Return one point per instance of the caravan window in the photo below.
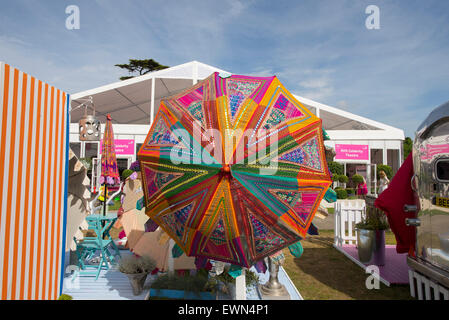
(442, 170)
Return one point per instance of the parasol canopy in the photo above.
(234, 168)
(109, 168)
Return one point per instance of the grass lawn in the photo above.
(323, 273)
(115, 206)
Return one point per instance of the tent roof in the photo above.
(341, 124)
(129, 102)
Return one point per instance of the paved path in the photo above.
(324, 224)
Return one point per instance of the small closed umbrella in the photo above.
(109, 169)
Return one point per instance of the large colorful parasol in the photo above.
(234, 168)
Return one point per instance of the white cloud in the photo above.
(13, 40)
(315, 83)
(237, 7)
(320, 95)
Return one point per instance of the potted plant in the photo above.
(226, 283)
(371, 235)
(175, 286)
(335, 178)
(137, 269)
(343, 179)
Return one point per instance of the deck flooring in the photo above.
(395, 270)
(114, 285)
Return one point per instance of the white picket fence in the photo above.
(346, 214)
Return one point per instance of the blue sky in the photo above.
(319, 49)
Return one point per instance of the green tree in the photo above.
(335, 168)
(408, 145)
(343, 179)
(386, 168)
(140, 67)
(357, 178)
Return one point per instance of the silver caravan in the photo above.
(430, 267)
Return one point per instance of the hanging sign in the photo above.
(122, 146)
(352, 152)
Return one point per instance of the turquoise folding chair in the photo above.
(91, 245)
(103, 244)
(105, 232)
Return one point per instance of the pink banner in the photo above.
(351, 152)
(122, 146)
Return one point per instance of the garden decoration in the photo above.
(109, 169)
(234, 168)
(137, 270)
(89, 125)
(371, 234)
(273, 289)
(90, 128)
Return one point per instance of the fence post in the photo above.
(240, 286)
(336, 224)
(343, 218)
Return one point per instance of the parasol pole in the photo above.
(104, 197)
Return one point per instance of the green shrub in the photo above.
(343, 179)
(335, 177)
(335, 168)
(350, 191)
(126, 173)
(386, 168)
(87, 162)
(193, 283)
(341, 193)
(251, 279)
(357, 179)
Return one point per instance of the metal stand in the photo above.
(273, 289)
